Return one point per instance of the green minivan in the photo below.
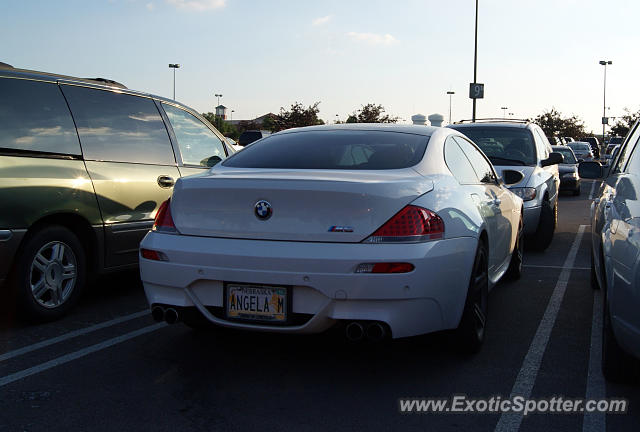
(84, 166)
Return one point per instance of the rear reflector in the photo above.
(163, 221)
(153, 255)
(412, 224)
(385, 268)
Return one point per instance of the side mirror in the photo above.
(590, 170)
(554, 159)
(511, 177)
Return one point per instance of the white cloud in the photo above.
(197, 5)
(373, 38)
(151, 6)
(321, 21)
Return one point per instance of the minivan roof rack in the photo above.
(101, 81)
(108, 82)
(494, 120)
(5, 65)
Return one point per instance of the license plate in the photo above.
(257, 302)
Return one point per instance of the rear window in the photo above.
(579, 146)
(503, 145)
(249, 137)
(337, 149)
(567, 154)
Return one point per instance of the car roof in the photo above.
(7, 71)
(386, 127)
(519, 125)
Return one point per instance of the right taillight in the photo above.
(163, 221)
(412, 224)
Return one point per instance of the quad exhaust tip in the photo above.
(157, 313)
(171, 316)
(373, 331)
(354, 331)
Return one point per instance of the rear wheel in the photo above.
(546, 226)
(49, 274)
(470, 333)
(617, 365)
(515, 266)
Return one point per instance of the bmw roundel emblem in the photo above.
(263, 210)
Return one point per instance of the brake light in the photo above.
(163, 221)
(153, 255)
(412, 224)
(385, 268)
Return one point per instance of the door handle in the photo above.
(165, 181)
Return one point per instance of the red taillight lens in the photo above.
(411, 224)
(385, 268)
(153, 255)
(163, 221)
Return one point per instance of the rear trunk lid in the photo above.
(307, 205)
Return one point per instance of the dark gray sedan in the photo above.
(568, 170)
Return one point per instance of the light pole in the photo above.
(174, 66)
(475, 63)
(232, 111)
(504, 112)
(218, 96)
(450, 93)
(604, 103)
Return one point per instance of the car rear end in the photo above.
(300, 248)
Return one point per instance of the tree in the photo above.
(297, 116)
(554, 125)
(624, 123)
(371, 113)
(225, 128)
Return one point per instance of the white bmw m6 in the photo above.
(385, 230)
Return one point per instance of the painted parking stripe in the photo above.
(510, 421)
(78, 354)
(593, 188)
(70, 335)
(554, 267)
(595, 421)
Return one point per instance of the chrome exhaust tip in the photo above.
(354, 331)
(171, 316)
(376, 332)
(157, 313)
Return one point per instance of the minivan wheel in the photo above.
(470, 333)
(49, 274)
(617, 365)
(546, 226)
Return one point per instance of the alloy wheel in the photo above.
(53, 274)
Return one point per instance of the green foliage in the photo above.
(225, 128)
(371, 113)
(297, 116)
(624, 123)
(554, 125)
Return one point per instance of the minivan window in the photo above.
(503, 145)
(119, 127)
(34, 117)
(333, 149)
(198, 145)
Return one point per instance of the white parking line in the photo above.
(77, 354)
(593, 188)
(70, 335)
(510, 421)
(595, 421)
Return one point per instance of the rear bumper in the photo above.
(569, 184)
(9, 243)
(324, 285)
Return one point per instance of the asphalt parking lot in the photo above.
(108, 366)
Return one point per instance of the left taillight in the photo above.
(163, 221)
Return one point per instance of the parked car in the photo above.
(615, 257)
(85, 164)
(610, 153)
(615, 140)
(522, 146)
(595, 146)
(568, 170)
(582, 150)
(315, 226)
(568, 139)
(247, 137)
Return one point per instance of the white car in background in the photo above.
(387, 230)
(582, 150)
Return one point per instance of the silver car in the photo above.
(615, 256)
(582, 150)
(522, 146)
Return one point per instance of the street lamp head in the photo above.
(605, 62)
(174, 65)
(451, 92)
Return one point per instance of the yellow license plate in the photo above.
(257, 302)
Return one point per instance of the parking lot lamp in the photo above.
(450, 93)
(174, 66)
(604, 102)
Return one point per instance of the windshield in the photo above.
(503, 145)
(567, 155)
(579, 146)
(333, 149)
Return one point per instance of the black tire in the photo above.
(546, 226)
(49, 275)
(515, 266)
(617, 365)
(470, 334)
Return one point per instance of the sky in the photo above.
(405, 55)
